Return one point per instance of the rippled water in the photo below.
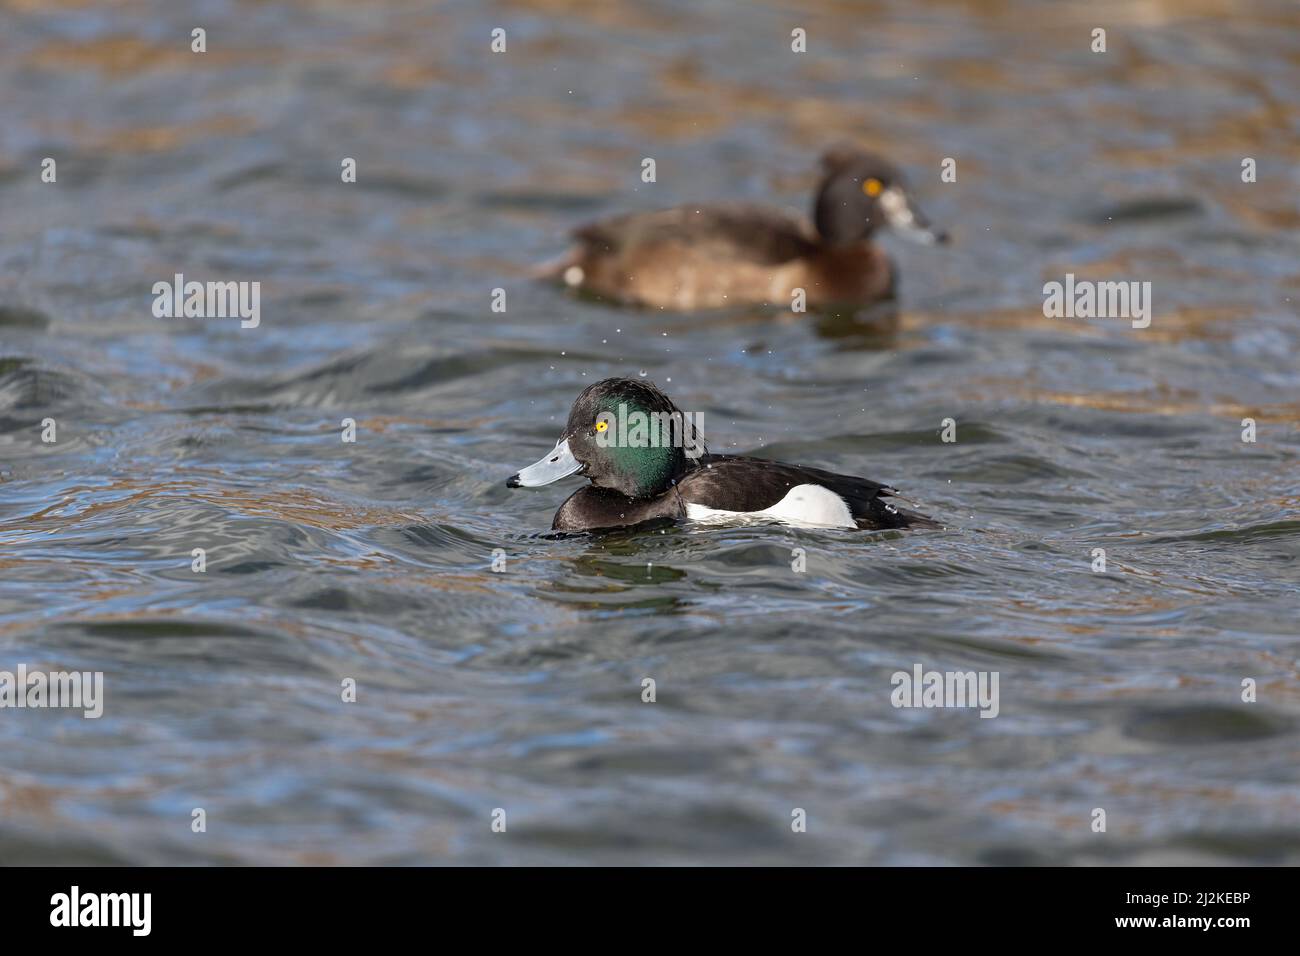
(522, 690)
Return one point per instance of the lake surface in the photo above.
(521, 690)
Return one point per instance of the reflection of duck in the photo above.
(657, 477)
(710, 256)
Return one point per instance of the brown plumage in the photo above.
(734, 254)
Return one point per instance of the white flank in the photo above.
(807, 505)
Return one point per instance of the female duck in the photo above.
(712, 256)
(645, 460)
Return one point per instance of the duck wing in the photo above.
(743, 484)
(724, 231)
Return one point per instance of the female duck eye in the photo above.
(872, 187)
(601, 426)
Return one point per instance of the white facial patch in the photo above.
(896, 208)
(898, 213)
(810, 506)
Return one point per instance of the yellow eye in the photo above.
(872, 187)
(601, 426)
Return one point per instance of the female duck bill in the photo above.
(907, 220)
(560, 463)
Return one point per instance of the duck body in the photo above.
(717, 255)
(660, 469)
(711, 257)
(733, 489)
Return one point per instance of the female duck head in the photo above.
(859, 193)
(622, 434)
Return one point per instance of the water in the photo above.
(522, 690)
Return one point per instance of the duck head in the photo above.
(861, 192)
(623, 434)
